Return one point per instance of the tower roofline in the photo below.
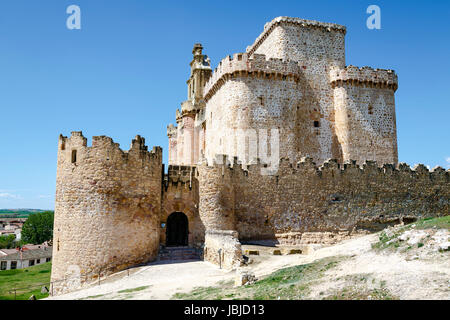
(269, 26)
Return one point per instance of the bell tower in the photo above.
(187, 139)
(200, 73)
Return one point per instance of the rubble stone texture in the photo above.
(291, 86)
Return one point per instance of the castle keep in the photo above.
(282, 143)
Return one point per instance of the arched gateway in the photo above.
(177, 230)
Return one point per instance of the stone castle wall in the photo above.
(222, 248)
(330, 198)
(316, 47)
(216, 198)
(261, 96)
(288, 96)
(365, 113)
(107, 207)
(181, 194)
(293, 79)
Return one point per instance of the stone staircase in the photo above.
(178, 254)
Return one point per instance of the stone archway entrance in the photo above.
(177, 230)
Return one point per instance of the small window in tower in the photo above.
(74, 156)
(370, 110)
(240, 57)
(63, 145)
(261, 100)
(316, 124)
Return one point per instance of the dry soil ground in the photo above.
(376, 266)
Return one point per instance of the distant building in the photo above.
(7, 232)
(11, 226)
(28, 256)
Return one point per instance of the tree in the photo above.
(7, 242)
(38, 228)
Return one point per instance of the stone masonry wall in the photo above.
(216, 198)
(107, 208)
(293, 80)
(365, 113)
(330, 198)
(316, 47)
(180, 194)
(260, 104)
(250, 98)
(222, 248)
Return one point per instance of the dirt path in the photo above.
(161, 281)
(413, 279)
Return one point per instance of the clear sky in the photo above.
(124, 73)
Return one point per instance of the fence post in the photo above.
(99, 271)
(15, 294)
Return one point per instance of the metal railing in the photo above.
(85, 279)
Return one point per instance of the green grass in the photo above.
(354, 293)
(133, 289)
(27, 281)
(440, 223)
(92, 297)
(357, 288)
(287, 284)
(427, 223)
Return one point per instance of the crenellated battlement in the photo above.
(232, 164)
(312, 24)
(305, 197)
(104, 194)
(180, 174)
(241, 64)
(171, 130)
(364, 76)
(76, 149)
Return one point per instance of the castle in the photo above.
(281, 143)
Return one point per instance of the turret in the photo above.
(107, 209)
(190, 137)
(200, 73)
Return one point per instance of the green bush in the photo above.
(8, 242)
(38, 228)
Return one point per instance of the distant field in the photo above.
(27, 281)
(18, 213)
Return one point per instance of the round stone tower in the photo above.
(106, 211)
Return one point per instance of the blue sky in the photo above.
(124, 73)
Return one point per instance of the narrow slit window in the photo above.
(74, 156)
(261, 100)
